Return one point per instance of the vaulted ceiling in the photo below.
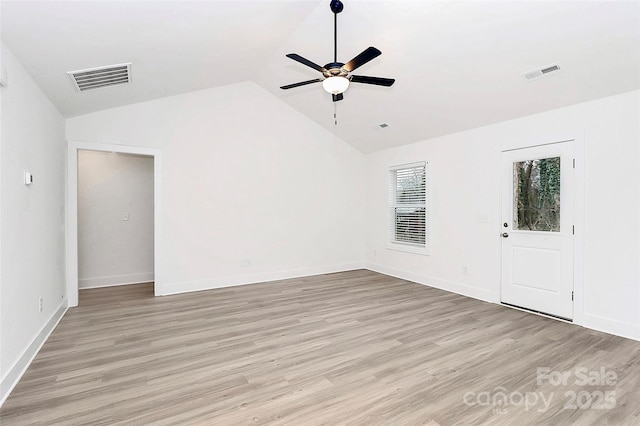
(457, 64)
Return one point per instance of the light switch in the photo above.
(28, 178)
(125, 216)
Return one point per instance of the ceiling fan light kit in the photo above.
(336, 74)
(335, 85)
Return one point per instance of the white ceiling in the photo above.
(457, 64)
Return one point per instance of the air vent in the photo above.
(94, 78)
(383, 125)
(541, 72)
(552, 68)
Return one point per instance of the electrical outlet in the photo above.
(245, 262)
(125, 216)
(40, 304)
(465, 270)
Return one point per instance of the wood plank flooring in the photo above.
(354, 348)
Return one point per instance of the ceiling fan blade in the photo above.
(306, 62)
(302, 83)
(378, 81)
(337, 97)
(368, 54)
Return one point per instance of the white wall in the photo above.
(465, 185)
(111, 250)
(251, 189)
(32, 220)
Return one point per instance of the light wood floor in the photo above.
(355, 348)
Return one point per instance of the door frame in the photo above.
(578, 211)
(72, 209)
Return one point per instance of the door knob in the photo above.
(505, 235)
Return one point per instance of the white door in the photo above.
(537, 231)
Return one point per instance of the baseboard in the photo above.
(232, 281)
(115, 280)
(593, 322)
(606, 325)
(11, 379)
(451, 286)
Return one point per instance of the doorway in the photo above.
(73, 151)
(115, 219)
(538, 229)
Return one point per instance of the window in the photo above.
(536, 185)
(408, 207)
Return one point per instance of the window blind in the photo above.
(407, 204)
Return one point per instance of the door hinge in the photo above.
(571, 295)
(573, 229)
(574, 163)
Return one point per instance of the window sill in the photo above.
(408, 249)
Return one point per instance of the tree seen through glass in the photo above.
(536, 186)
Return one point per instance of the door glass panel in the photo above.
(536, 187)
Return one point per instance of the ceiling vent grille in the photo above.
(541, 72)
(94, 78)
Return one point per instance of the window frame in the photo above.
(393, 244)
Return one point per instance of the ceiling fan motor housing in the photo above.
(334, 69)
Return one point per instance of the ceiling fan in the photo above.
(336, 75)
